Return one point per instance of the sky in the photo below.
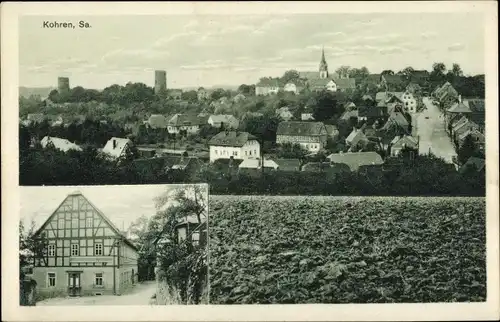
(121, 204)
(210, 50)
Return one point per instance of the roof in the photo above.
(355, 136)
(231, 138)
(223, 118)
(266, 82)
(478, 163)
(60, 144)
(381, 96)
(367, 97)
(474, 133)
(295, 128)
(356, 159)
(393, 79)
(369, 111)
(459, 122)
(316, 83)
(104, 217)
(476, 105)
(255, 164)
(463, 127)
(349, 105)
(348, 114)
(459, 107)
(332, 130)
(392, 96)
(399, 118)
(184, 120)
(315, 166)
(157, 121)
(345, 83)
(177, 162)
(117, 149)
(288, 164)
(373, 79)
(405, 140)
(420, 74)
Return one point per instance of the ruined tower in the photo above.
(63, 84)
(160, 81)
(323, 66)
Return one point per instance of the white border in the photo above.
(351, 312)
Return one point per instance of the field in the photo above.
(269, 249)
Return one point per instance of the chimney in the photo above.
(114, 143)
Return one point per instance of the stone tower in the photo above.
(160, 81)
(323, 66)
(63, 84)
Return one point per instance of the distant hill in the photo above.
(28, 91)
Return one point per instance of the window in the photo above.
(215, 152)
(75, 249)
(51, 279)
(235, 153)
(60, 225)
(52, 250)
(90, 222)
(98, 249)
(246, 153)
(250, 153)
(255, 152)
(98, 279)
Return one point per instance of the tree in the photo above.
(387, 72)
(191, 96)
(217, 94)
(456, 70)
(438, 69)
(407, 72)
(325, 106)
(359, 73)
(343, 71)
(290, 76)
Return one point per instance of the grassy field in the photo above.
(271, 249)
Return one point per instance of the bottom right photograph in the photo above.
(307, 249)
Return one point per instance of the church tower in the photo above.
(323, 66)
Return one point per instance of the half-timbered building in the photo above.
(83, 252)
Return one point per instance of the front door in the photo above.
(74, 288)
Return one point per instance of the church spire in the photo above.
(323, 66)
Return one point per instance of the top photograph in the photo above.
(299, 104)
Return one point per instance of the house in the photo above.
(409, 102)
(284, 113)
(382, 96)
(447, 96)
(226, 121)
(203, 94)
(312, 136)
(56, 120)
(477, 137)
(307, 115)
(257, 164)
(238, 98)
(234, 145)
(477, 109)
(397, 120)
(355, 137)
(392, 82)
(394, 97)
(188, 123)
(180, 164)
(117, 148)
(369, 113)
(85, 253)
(367, 98)
(332, 131)
(473, 163)
(59, 144)
(457, 110)
(356, 160)
(175, 94)
(331, 85)
(462, 127)
(349, 106)
(157, 121)
(401, 142)
(267, 86)
(288, 164)
(291, 87)
(347, 115)
(316, 166)
(421, 77)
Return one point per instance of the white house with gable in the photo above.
(117, 147)
(235, 144)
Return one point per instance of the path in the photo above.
(140, 295)
(431, 129)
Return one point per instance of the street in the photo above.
(140, 295)
(429, 125)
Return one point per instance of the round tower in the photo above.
(63, 84)
(323, 66)
(160, 81)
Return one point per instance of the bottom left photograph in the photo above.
(113, 245)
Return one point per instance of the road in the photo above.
(429, 125)
(140, 295)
